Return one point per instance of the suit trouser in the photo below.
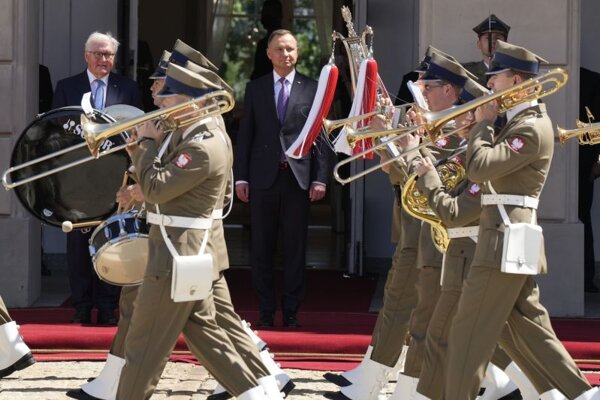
(155, 327)
(490, 299)
(399, 299)
(226, 318)
(87, 289)
(285, 204)
(433, 372)
(428, 293)
(4, 317)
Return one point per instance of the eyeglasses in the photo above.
(428, 87)
(99, 55)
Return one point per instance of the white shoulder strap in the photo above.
(502, 210)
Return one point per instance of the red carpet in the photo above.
(336, 328)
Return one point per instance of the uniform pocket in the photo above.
(488, 252)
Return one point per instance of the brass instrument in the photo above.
(416, 204)
(529, 90)
(330, 125)
(586, 133)
(211, 104)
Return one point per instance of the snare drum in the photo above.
(119, 249)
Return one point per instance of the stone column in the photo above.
(549, 28)
(20, 248)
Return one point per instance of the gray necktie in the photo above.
(99, 95)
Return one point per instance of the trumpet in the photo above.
(529, 90)
(585, 133)
(211, 104)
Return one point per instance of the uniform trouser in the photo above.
(399, 299)
(226, 318)
(153, 332)
(490, 299)
(4, 317)
(428, 293)
(433, 372)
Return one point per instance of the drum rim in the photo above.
(100, 275)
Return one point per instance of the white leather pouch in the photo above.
(192, 277)
(521, 250)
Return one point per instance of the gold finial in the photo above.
(347, 16)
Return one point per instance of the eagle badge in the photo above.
(183, 160)
(516, 144)
(474, 189)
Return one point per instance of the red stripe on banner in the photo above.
(370, 90)
(315, 129)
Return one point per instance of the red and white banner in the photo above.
(318, 111)
(363, 102)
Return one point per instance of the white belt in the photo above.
(467, 231)
(510, 200)
(183, 222)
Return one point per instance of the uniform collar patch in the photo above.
(516, 143)
(474, 189)
(183, 160)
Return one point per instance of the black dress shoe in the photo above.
(82, 315)
(290, 321)
(26, 361)
(219, 396)
(337, 379)
(335, 396)
(106, 317)
(80, 395)
(265, 322)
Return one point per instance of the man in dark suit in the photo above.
(278, 188)
(107, 88)
(589, 170)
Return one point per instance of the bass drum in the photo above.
(83, 193)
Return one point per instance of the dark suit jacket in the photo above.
(120, 90)
(261, 135)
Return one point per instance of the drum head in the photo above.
(83, 193)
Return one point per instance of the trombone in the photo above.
(529, 90)
(171, 118)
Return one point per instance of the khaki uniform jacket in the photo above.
(397, 178)
(190, 181)
(428, 255)
(458, 207)
(515, 162)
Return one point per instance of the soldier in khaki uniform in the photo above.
(188, 183)
(515, 164)
(458, 209)
(489, 31)
(14, 353)
(442, 84)
(400, 295)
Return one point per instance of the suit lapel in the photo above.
(112, 91)
(295, 93)
(269, 88)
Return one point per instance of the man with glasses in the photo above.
(107, 88)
